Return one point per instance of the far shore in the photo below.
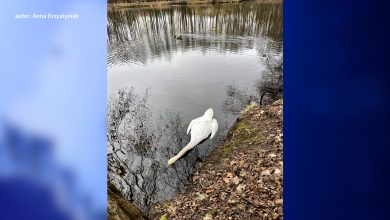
(181, 2)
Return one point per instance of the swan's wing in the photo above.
(189, 126)
(214, 128)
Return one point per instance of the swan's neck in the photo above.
(181, 153)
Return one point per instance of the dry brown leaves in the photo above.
(245, 184)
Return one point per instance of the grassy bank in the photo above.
(132, 4)
(242, 178)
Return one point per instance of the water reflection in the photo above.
(269, 88)
(139, 150)
(139, 35)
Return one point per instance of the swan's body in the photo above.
(200, 129)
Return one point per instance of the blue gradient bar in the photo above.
(53, 110)
(337, 110)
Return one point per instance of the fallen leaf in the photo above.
(279, 201)
(272, 155)
(241, 187)
(236, 180)
(201, 196)
(265, 173)
(243, 173)
(208, 217)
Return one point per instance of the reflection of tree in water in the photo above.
(136, 34)
(269, 88)
(139, 148)
(236, 99)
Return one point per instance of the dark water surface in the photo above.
(218, 45)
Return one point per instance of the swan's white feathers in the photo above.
(214, 128)
(189, 126)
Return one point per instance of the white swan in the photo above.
(200, 129)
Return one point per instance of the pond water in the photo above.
(187, 56)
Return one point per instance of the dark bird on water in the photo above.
(178, 37)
